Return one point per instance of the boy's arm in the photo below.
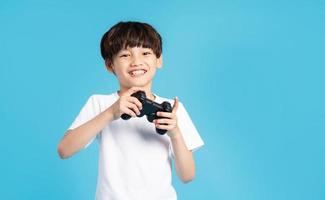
(184, 161)
(77, 138)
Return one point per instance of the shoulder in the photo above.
(103, 97)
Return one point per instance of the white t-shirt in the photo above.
(134, 160)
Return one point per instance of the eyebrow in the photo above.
(123, 51)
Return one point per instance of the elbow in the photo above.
(187, 174)
(62, 152)
(62, 148)
(188, 178)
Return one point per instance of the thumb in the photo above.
(175, 106)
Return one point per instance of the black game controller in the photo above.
(150, 108)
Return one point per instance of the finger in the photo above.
(175, 106)
(136, 101)
(133, 107)
(165, 127)
(165, 114)
(165, 121)
(129, 112)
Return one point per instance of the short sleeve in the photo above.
(90, 110)
(189, 132)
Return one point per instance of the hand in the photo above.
(169, 121)
(127, 104)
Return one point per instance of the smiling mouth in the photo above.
(136, 73)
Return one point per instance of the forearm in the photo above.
(184, 161)
(76, 139)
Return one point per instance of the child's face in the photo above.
(135, 66)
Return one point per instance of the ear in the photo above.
(109, 66)
(160, 61)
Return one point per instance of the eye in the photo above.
(147, 53)
(124, 55)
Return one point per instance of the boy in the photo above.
(134, 161)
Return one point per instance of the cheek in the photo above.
(152, 70)
(120, 67)
(153, 63)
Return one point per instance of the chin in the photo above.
(140, 83)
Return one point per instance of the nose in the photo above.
(136, 60)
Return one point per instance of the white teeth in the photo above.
(137, 72)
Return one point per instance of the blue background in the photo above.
(250, 73)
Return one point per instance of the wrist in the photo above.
(174, 134)
(109, 114)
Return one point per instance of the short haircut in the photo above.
(129, 34)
